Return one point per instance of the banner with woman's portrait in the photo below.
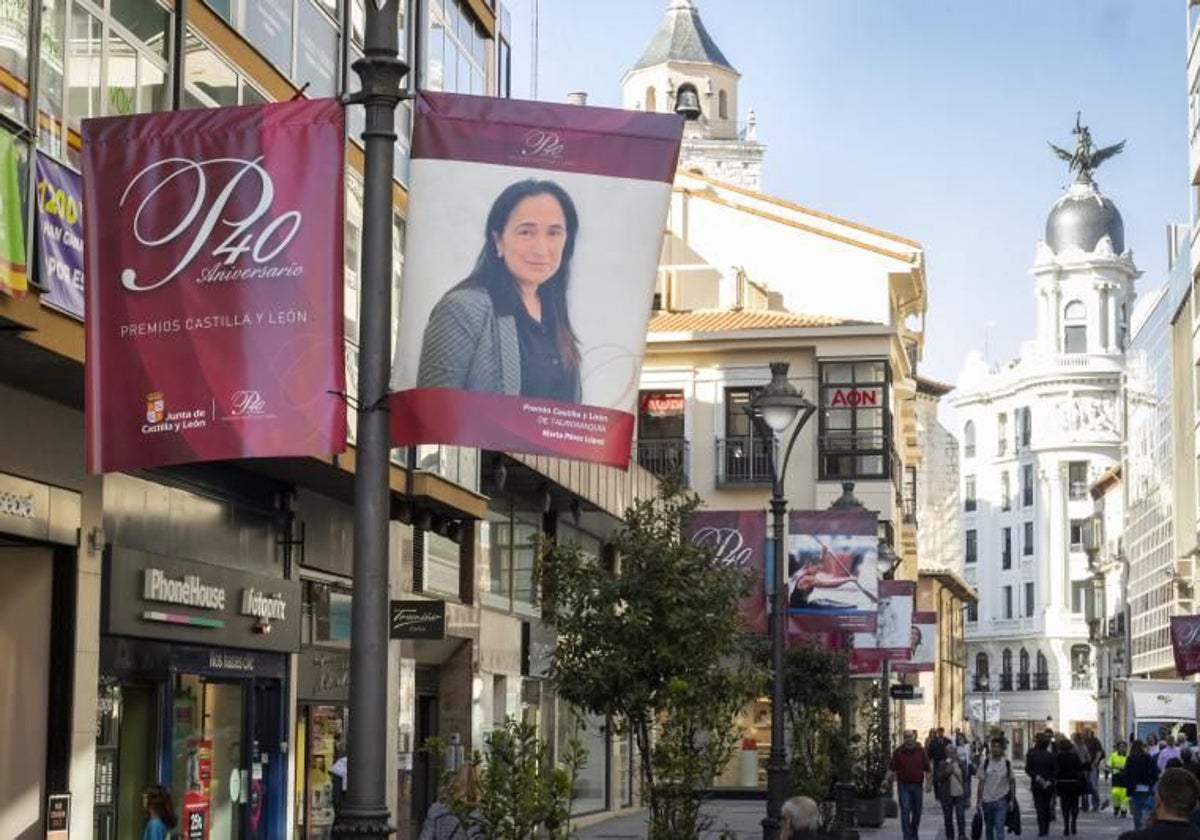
(532, 246)
(924, 645)
(892, 637)
(832, 578)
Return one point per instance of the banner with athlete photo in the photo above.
(832, 579)
(214, 266)
(533, 238)
(892, 638)
(924, 645)
(739, 537)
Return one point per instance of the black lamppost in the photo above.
(779, 404)
(365, 813)
(845, 787)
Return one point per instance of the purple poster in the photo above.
(739, 538)
(60, 236)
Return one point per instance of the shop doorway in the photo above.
(426, 766)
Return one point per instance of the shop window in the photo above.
(855, 433)
(14, 58)
(146, 20)
(327, 614)
(591, 787)
(52, 129)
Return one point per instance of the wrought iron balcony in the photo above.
(1081, 679)
(1006, 682)
(1024, 682)
(1041, 681)
(744, 461)
(665, 457)
(980, 682)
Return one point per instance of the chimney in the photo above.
(579, 97)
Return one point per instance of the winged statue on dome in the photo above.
(1085, 160)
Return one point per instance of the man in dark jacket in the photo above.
(1042, 769)
(1176, 797)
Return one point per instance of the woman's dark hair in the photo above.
(158, 804)
(1138, 747)
(490, 272)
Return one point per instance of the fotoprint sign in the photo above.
(738, 537)
(214, 296)
(892, 638)
(924, 644)
(1185, 644)
(832, 578)
(534, 232)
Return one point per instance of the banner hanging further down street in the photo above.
(533, 239)
(1185, 644)
(214, 266)
(924, 644)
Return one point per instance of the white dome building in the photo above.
(1034, 435)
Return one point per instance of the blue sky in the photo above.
(928, 118)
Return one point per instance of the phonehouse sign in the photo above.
(214, 267)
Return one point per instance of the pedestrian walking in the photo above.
(997, 789)
(1095, 752)
(1141, 773)
(1071, 782)
(1042, 769)
(949, 786)
(1116, 763)
(908, 768)
(160, 813)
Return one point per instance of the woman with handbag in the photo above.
(950, 789)
(1140, 773)
(1071, 783)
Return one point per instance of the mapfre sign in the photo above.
(854, 397)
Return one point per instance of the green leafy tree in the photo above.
(657, 648)
(815, 699)
(519, 794)
(870, 757)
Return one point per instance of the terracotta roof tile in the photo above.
(727, 320)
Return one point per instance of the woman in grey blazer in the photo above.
(505, 328)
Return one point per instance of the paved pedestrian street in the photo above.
(743, 819)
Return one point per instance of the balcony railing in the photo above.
(910, 510)
(1024, 682)
(665, 457)
(980, 683)
(744, 460)
(1081, 679)
(1079, 490)
(1041, 680)
(1006, 682)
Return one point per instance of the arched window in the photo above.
(1041, 677)
(981, 671)
(722, 105)
(651, 99)
(1006, 674)
(1023, 674)
(1075, 327)
(969, 439)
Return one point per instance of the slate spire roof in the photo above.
(682, 37)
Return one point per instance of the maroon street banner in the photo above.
(892, 638)
(214, 264)
(533, 238)
(739, 538)
(924, 644)
(1185, 643)
(832, 579)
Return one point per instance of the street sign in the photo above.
(903, 691)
